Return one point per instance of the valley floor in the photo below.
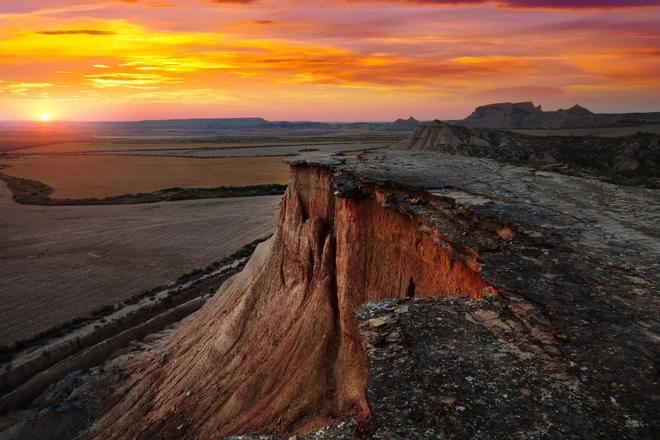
(63, 262)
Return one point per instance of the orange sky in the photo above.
(323, 60)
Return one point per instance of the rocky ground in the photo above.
(629, 160)
(454, 369)
(422, 295)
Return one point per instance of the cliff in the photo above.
(525, 115)
(277, 349)
(409, 295)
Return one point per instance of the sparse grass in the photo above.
(33, 192)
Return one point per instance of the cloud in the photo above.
(355, 55)
(618, 26)
(531, 4)
(176, 64)
(23, 88)
(76, 32)
(130, 80)
(578, 4)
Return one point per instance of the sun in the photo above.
(44, 117)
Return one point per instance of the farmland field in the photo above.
(102, 176)
(210, 149)
(59, 263)
(257, 150)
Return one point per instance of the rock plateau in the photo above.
(633, 160)
(407, 295)
(525, 115)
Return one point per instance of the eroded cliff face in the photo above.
(277, 349)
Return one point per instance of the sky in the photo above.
(335, 60)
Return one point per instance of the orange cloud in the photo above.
(76, 32)
(115, 58)
(24, 88)
(130, 80)
(543, 4)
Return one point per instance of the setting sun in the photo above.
(44, 117)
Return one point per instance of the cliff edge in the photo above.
(411, 295)
(631, 160)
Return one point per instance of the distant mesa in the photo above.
(255, 123)
(404, 124)
(526, 115)
(201, 123)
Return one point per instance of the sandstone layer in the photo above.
(277, 349)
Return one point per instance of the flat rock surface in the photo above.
(577, 277)
(455, 368)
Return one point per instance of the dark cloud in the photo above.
(578, 4)
(618, 26)
(531, 4)
(76, 32)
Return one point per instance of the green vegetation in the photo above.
(33, 192)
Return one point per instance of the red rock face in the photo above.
(277, 350)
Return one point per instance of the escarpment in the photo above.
(420, 294)
(277, 349)
(518, 115)
(631, 160)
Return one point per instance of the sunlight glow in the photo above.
(44, 117)
(350, 60)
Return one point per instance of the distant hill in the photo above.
(15, 135)
(203, 125)
(253, 124)
(525, 115)
(631, 160)
(404, 124)
(189, 123)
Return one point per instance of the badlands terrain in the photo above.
(632, 159)
(62, 265)
(466, 282)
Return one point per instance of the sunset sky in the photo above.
(323, 60)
